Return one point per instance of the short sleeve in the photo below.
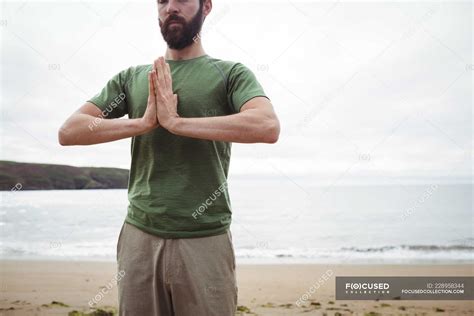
(242, 86)
(112, 99)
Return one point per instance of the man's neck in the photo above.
(192, 51)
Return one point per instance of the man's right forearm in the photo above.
(83, 129)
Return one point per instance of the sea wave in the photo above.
(105, 250)
(424, 248)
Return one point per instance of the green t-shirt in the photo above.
(178, 185)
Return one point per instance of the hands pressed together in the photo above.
(162, 105)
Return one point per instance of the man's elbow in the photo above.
(64, 138)
(272, 132)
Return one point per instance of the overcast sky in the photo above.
(377, 89)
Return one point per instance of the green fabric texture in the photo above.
(178, 185)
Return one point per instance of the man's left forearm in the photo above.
(244, 127)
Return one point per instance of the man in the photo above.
(175, 249)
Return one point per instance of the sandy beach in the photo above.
(58, 288)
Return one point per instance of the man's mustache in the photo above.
(174, 18)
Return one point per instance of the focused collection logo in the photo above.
(367, 287)
(404, 288)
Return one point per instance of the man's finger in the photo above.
(167, 73)
(151, 88)
(155, 77)
(156, 86)
(159, 69)
(155, 65)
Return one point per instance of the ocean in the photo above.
(274, 221)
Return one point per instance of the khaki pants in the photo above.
(175, 277)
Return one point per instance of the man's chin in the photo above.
(175, 38)
(174, 33)
(176, 45)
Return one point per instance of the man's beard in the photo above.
(179, 37)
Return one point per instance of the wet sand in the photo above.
(59, 287)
